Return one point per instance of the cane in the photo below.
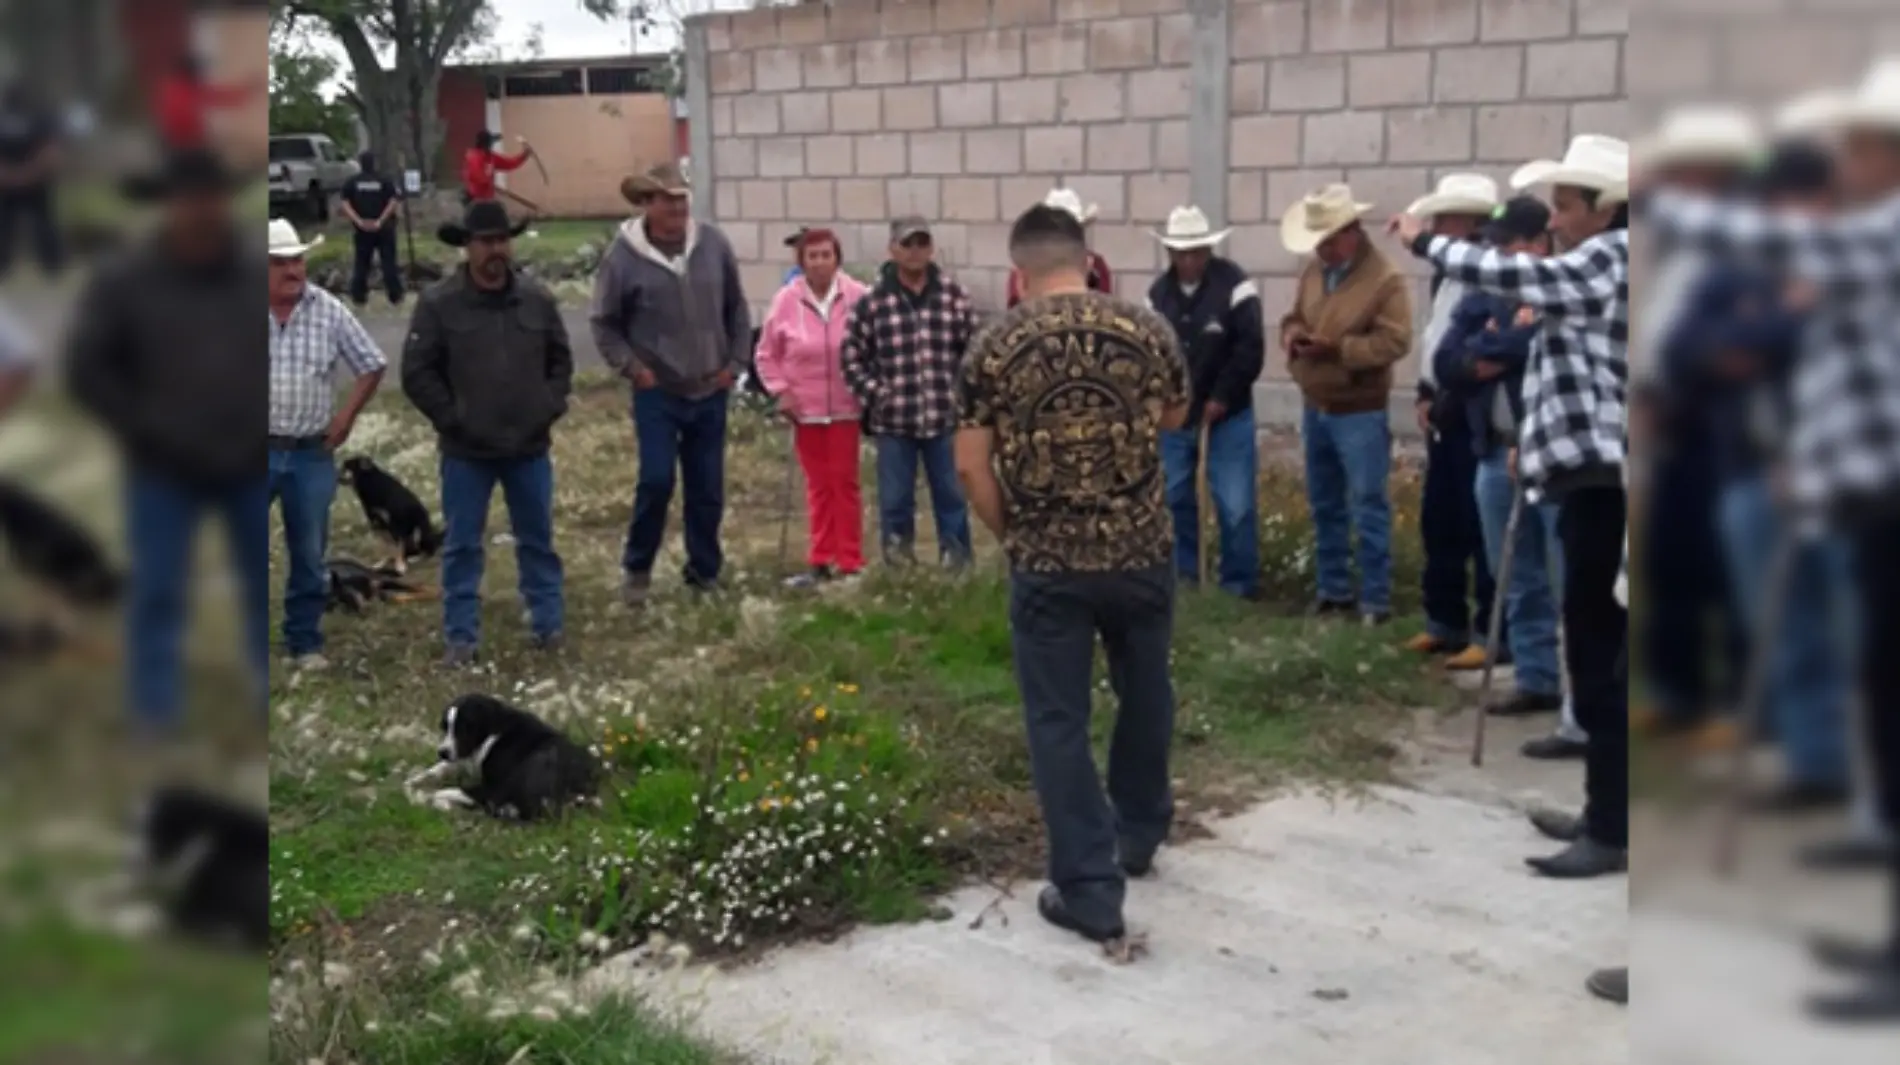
(785, 501)
(1201, 502)
(1755, 695)
(1494, 632)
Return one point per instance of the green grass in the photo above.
(554, 240)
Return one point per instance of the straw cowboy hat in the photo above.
(284, 242)
(1458, 194)
(1319, 215)
(1188, 228)
(1071, 201)
(1873, 104)
(1726, 136)
(665, 179)
(1592, 161)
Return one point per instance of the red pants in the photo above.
(835, 506)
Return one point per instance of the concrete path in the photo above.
(1402, 929)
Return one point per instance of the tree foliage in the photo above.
(299, 75)
(396, 50)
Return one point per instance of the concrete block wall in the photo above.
(967, 111)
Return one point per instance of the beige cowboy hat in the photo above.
(1810, 114)
(286, 244)
(665, 179)
(1592, 161)
(1071, 201)
(1458, 194)
(1189, 228)
(1726, 136)
(1873, 104)
(1319, 215)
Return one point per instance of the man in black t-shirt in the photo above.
(370, 202)
(29, 153)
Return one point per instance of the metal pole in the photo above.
(408, 221)
(1507, 557)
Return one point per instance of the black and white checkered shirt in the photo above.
(1844, 448)
(304, 352)
(1576, 398)
(903, 352)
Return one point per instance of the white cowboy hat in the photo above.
(1458, 194)
(1873, 104)
(1707, 134)
(1069, 200)
(1188, 227)
(1811, 114)
(1319, 215)
(284, 242)
(1592, 161)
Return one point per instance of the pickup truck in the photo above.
(306, 169)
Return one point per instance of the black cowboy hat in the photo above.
(182, 172)
(482, 218)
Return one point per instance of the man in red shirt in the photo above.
(1099, 278)
(481, 163)
(185, 100)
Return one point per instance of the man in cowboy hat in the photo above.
(163, 351)
(487, 361)
(1690, 601)
(1099, 278)
(1457, 581)
(670, 315)
(1351, 322)
(1573, 446)
(311, 334)
(1215, 311)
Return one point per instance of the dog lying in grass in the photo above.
(397, 514)
(524, 768)
(65, 564)
(354, 586)
(206, 860)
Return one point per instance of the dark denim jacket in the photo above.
(1467, 342)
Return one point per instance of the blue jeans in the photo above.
(1811, 673)
(1348, 459)
(680, 440)
(897, 460)
(162, 519)
(1530, 603)
(303, 484)
(527, 488)
(1688, 600)
(1233, 474)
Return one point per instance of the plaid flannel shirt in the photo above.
(1845, 442)
(1576, 395)
(902, 355)
(304, 351)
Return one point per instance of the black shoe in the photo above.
(1610, 985)
(1054, 910)
(1332, 607)
(550, 643)
(1524, 704)
(1138, 864)
(1854, 957)
(1797, 798)
(1554, 748)
(1585, 859)
(1875, 1002)
(1557, 825)
(1850, 855)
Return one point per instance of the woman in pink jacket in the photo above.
(798, 363)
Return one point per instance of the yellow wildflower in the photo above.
(811, 745)
(818, 714)
(848, 689)
(804, 693)
(744, 776)
(767, 803)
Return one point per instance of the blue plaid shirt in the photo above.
(304, 352)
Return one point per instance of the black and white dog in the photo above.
(527, 769)
(206, 859)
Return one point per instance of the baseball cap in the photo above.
(910, 225)
(1519, 218)
(1795, 169)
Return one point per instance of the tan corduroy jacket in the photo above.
(1369, 317)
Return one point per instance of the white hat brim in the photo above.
(1552, 172)
(1189, 243)
(293, 251)
(1301, 240)
(1439, 204)
(1657, 152)
(1850, 113)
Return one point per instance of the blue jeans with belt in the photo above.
(303, 485)
(1233, 474)
(162, 520)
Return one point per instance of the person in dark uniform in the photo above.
(370, 202)
(29, 156)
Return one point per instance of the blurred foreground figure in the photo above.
(185, 100)
(30, 138)
(1844, 454)
(18, 360)
(165, 353)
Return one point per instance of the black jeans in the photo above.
(1054, 622)
(1688, 606)
(1878, 562)
(369, 247)
(31, 209)
(1458, 583)
(1591, 524)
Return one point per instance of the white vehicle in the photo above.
(306, 169)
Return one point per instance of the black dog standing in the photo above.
(393, 511)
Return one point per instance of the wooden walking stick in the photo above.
(1507, 557)
(1202, 502)
(1754, 706)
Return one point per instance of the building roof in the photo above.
(531, 66)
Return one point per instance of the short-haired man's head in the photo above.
(1048, 241)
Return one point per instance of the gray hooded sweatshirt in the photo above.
(683, 319)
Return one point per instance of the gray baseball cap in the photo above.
(909, 226)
